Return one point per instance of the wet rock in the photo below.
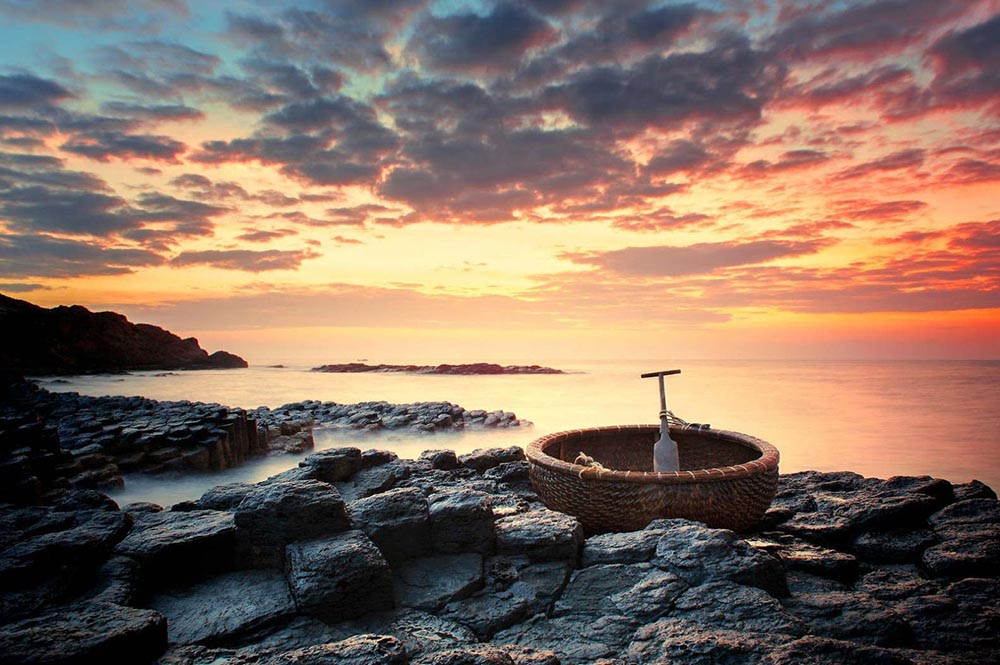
(973, 490)
(116, 582)
(445, 460)
(799, 555)
(824, 651)
(896, 583)
(834, 611)
(333, 465)
(224, 497)
(965, 550)
(936, 488)
(786, 505)
(373, 480)
(432, 582)
(461, 521)
(397, 521)
(224, 607)
(174, 547)
(543, 535)
(89, 632)
(896, 546)
(966, 615)
(373, 457)
(969, 511)
(821, 528)
(876, 511)
(419, 632)
(508, 472)
(356, 650)
(142, 507)
(593, 638)
(515, 588)
(274, 514)
(674, 640)
(480, 654)
(483, 459)
(639, 591)
(699, 554)
(340, 577)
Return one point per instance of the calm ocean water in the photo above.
(939, 418)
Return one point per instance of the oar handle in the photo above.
(667, 372)
(663, 393)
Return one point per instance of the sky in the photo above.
(412, 179)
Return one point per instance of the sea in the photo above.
(879, 419)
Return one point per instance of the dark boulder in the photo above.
(178, 547)
(488, 458)
(542, 535)
(224, 607)
(340, 577)
(895, 546)
(430, 583)
(89, 632)
(333, 465)
(461, 521)
(397, 521)
(275, 514)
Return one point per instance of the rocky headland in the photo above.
(466, 369)
(74, 340)
(363, 558)
(51, 441)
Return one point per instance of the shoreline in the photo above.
(448, 558)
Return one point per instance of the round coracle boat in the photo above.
(727, 479)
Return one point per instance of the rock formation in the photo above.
(361, 557)
(74, 340)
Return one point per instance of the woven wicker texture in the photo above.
(726, 480)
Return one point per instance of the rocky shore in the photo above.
(362, 558)
(74, 340)
(467, 369)
(53, 441)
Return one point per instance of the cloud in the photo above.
(104, 146)
(877, 211)
(22, 287)
(902, 159)
(27, 91)
(860, 30)
(130, 15)
(729, 82)
(791, 160)
(39, 255)
(471, 42)
(262, 235)
(701, 258)
(246, 260)
(155, 113)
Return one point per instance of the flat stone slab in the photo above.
(462, 521)
(543, 535)
(398, 521)
(225, 606)
(340, 577)
(430, 583)
(178, 546)
(85, 633)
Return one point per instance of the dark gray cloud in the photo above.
(729, 82)
(21, 287)
(702, 258)
(155, 113)
(246, 260)
(470, 42)
(27, 91)
(105, 146)
(130, 15)
(860, 29)
(788, 161)
(39, 255)
(902, 159)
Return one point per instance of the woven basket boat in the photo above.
(727, 479)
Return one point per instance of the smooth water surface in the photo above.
(939, 418)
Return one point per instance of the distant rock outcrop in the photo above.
(470, 368)
(74, 340)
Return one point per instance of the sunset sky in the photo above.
(404, 179)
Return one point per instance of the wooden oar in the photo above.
(665, 450)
